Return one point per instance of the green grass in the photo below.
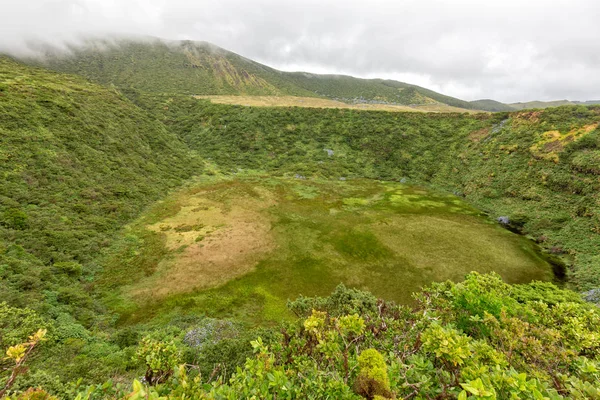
(384, 237)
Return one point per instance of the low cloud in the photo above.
(508, 51)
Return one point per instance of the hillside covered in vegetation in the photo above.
(96, 183)
(78, 161)
(144, 64)
(200, 68)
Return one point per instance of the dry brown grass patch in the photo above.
(315, 102)
(211, 243)
(476, 136)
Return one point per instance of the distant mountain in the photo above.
(153, 65)
(540, 104)
(491, 105)
(200, 68)
(555, 103)
(588, 102)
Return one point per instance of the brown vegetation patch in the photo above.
(476, 136)
(533, 116)
(552, 146)
(553, 142)
(210, 243)
(315, 102)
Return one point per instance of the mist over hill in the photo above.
(200, 68)
(155, 65)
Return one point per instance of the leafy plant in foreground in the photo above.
(19, 354)
(522, 350)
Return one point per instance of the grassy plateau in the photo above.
(315, 102)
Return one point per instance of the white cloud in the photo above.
(510, 50)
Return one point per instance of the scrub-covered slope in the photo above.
(77, 162)
(76, 157)
(200, 68)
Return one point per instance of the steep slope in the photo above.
(200, 68)
(152, 65)
(79, 150)
(430, 94)
(77, 162)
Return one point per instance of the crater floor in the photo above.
(243, 246)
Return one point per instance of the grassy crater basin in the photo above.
(242, 246)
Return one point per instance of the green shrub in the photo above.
(13, 218)
(69, 268)
(372, 379)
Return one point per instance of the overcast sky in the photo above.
(508, 50)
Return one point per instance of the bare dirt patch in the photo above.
(478, 135)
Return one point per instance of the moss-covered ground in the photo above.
(242, 246)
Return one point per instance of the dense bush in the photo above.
(77, 162)
(480, 339)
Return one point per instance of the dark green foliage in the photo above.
(342, 301)
(14, 218)
(544, 291)
(69, 268)
(126, 337)
(77, 162)
(219, 347)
